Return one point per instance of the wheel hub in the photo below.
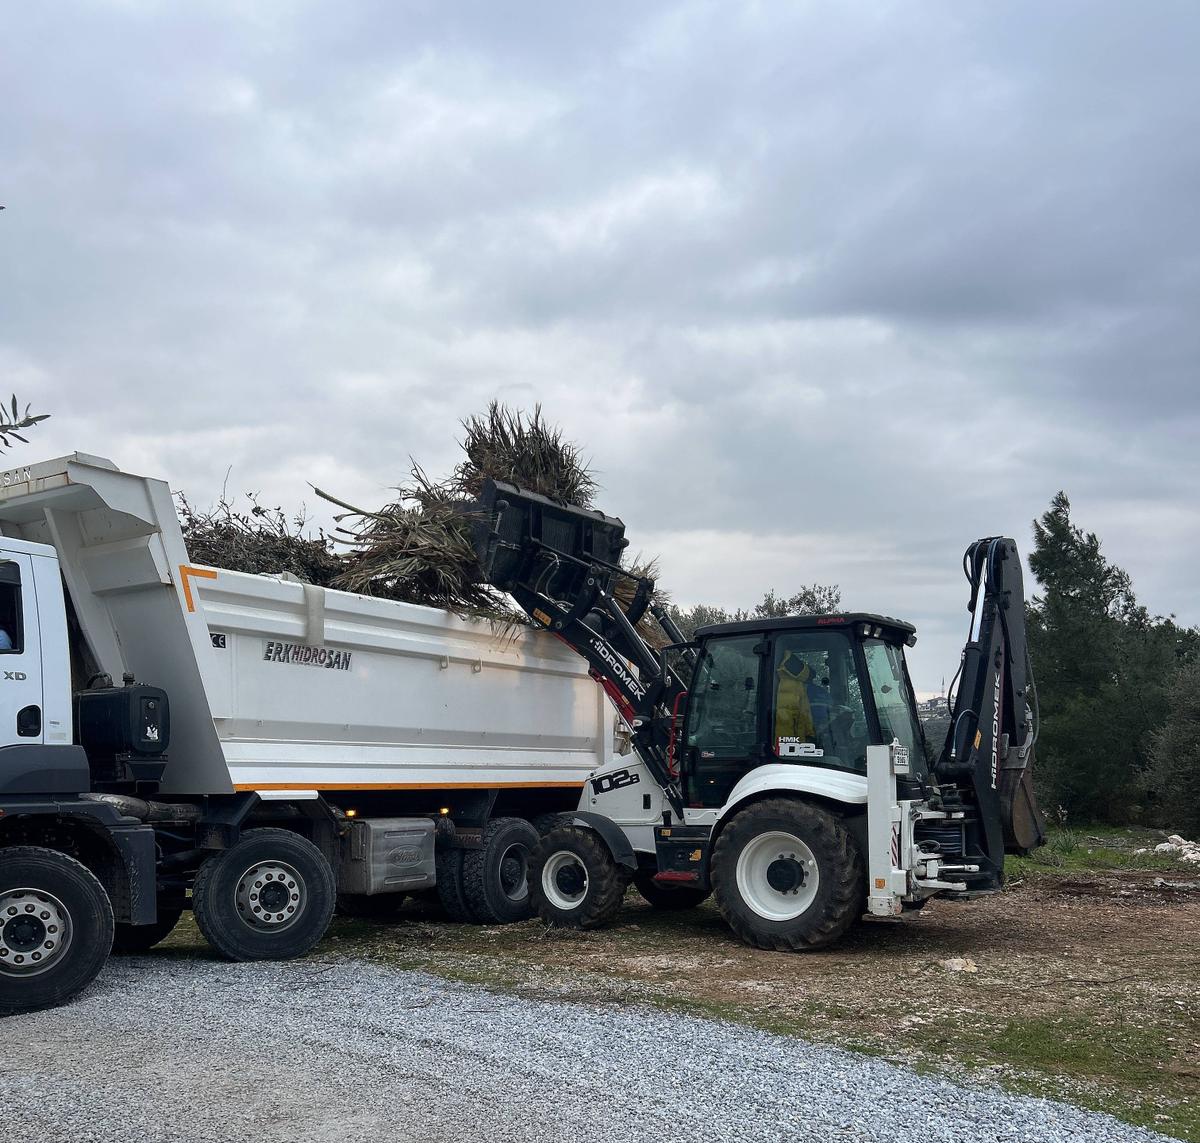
(514, 873)
(570, 880)
(785, 874)
(34, 931)
(270, 895)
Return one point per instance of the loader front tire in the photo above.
(574, 879)
(788, 875)
(496, 877)
(56, 927)
(269, 897)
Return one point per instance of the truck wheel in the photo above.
(56, 927)
(787, 875)
(269, 897)
(496, 877)
(450, 888)
(670, 898)
(142, 938)
(373, 906)
(574, 880)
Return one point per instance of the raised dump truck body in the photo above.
(248, 745)
(279, 685)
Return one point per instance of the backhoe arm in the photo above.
(990, 744)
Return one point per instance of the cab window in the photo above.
(723, 717)
(889, 685)
(817, 708)
(11, 628)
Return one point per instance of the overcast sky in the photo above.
(826, 291)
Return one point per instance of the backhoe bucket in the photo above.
(524, 540)
(1024, 825)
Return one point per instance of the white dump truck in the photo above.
(249, 746)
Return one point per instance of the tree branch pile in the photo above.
(418, 548)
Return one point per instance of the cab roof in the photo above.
(895, 630)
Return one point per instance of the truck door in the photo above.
(20, 654)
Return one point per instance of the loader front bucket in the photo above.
(524, 540)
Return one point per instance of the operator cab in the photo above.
(811, 691)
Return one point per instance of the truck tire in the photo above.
(56, 927)
(788, 875)
(450, 888)
(670, 898)
(373, 906)
(269, 897)
(132, 939)
(574, 880)
(496, 877)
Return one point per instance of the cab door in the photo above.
(21, 715)
(724, 732)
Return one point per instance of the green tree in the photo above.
(1102, 663)
(1174, 778)
(813, 599)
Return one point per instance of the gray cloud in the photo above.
(826, 291)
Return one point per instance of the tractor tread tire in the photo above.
(544, 823)
(215, 909)
(840, 898)
(91, 917)
(481, 873)
(607, 880)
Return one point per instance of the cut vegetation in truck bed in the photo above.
(1079, 983)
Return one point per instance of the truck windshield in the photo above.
(889, 685)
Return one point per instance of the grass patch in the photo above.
(1079, 850)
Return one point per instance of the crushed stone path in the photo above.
(162, 1050)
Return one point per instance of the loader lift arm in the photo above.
(561, 564)
(989, 747)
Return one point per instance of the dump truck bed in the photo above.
(279, 685)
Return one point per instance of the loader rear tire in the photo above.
(53, 909)
(496, 877)
(667, 897)
(133, 939)
(575, 881)
(788, 875)
(269, 897)
(450, 889)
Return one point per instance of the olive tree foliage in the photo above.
(1103, 667)
(813, 599)
(13, 422)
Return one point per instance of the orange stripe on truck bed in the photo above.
(408, 785)
(185, 574)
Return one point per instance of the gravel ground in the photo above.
(199, 1051)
